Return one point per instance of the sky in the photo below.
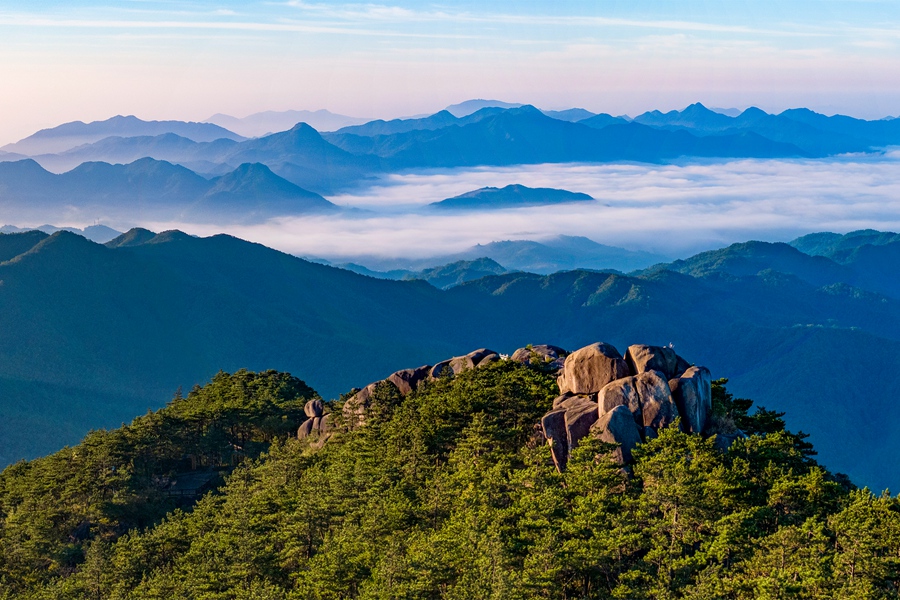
(87, 60)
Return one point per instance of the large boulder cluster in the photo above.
(624, 400)
(620, 400)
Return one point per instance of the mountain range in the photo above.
(558, 253)
(96, 233)
(96, 334)
(440, 276)
(152, 189)
(270, 121)
(491, 133)
(69, 135)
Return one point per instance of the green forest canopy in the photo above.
(449, 492)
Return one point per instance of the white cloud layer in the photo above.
(670, 209)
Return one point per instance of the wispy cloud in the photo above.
(290, 26)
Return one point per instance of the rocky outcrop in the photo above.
(408, 380)
(315, 426)
(314, 408)
(477, 358)
(587, 370)
(441, 369)
(458, 364)
(355, 408)
(693, 396)
(646, 395)
(544, 356)
(625, 401)
(318, 427)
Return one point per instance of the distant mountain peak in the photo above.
(133, 237)
(468, 107)
(510, 196)
(76, 133)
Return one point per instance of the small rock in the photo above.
(490, 358)
(479, 356)
(458, 364)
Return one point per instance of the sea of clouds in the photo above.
(673, 209)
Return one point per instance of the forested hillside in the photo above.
(97, 334)
(444, 493)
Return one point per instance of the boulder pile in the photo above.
(318, 424)
(624, 400)
(408, 380)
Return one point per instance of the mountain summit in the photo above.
(510, 196)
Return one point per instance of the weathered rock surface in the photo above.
(314, 408)
(315, 426)
(479, 357)
(681, 367)
(693, 396)
(658, 408)
(646, 395)
(618, 427)
(554, 426)
(579, 417)
(621, 392)
(408, 380)
(355, 408)
(441, 369)
(490, 358)
(546, 356)
(642, 358)
(305, 429)
(588, 369)
(568, 399)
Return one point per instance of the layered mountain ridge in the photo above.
(492, 135)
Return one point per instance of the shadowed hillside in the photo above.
(97, 334)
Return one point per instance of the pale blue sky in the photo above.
(86, 60)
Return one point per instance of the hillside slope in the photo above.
(447, 491)
(94, 335)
